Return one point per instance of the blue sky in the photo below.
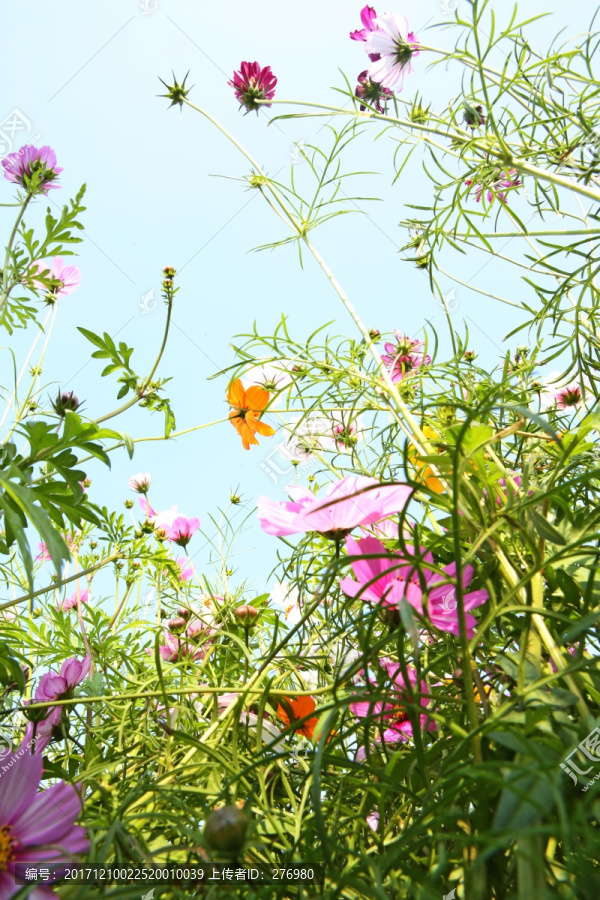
(86, 80)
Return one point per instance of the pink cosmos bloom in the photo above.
(568, 396)
(43, 554)
(36, 826)
(392, 714)
(177, 646)
(62, 279)
(387, 578)
(508, 181)
(70, 602)
(372, 93)
(404, 357)
(29, 161)
(353, 501)
(367, 17)
(55, 686)
(185, 571)
(253, 83)
(140, 483)
(395, 45)
(181, 530)
(148, 511)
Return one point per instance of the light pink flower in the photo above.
(404, 357)
(60, 280)
(395, 45)
(353, 501)
(150, 513)
(569, 396)
(30, 160)
(185, 571)
(177, 647)
(391, 714)
(55, 686)
(36, 825)
(70, 602)
(140, 483)
(386, 578)
(43, 554)
(181, 530)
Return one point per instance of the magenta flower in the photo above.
(181, 530)
(395, 46)
(568, 396)
(70, 602)
(386, 578)
(140, 483)
(60, 279)
(36, 826)
(252, 84)
(367, 17)
(404, 357)
(32, 162)
(53, 686)
(508, 181)
(392, 714)
(353, 501)
(372, 93)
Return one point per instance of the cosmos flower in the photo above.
(59, 279)
(353, 501)
(253, 83)
(140, 483)
(501, 183)
(395, 45)
(301, 707)
(270, 376)
(181, 530)
(71, 602)
(569, 396)
(404, 357)
(55, 686)
(36, 825)
(371, 92)
(30, 162)
(248, 408)
(287, 597)
(367, 17)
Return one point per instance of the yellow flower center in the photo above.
(7, 847)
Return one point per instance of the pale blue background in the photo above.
(85, 75)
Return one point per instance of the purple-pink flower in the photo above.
(353, 501)
(55, 686)
(32, 162)
(252, 84)
(404, 357)
(36, 826)
(392, 714)
(367, 17)
(498, 188)
(393, 45)
(179, 646)
(60, 279)
(372, 93)
(386, 578)
(70, 602)
(181, 530)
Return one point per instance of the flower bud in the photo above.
(176, 625)
(374, 334)
(225, 828)
(235, 499)
(183, 612)
(169, 272)
(66, 401)
(469, 355)
(129, 504)
(246, 615)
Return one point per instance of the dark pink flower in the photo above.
(367, 17)
(181, 530)
(404, 357)
(386, 578)
(392, 714)
(353, 501)
(36, 826)
(372, 93)
(253, 83)
(568, 396)
(30, 162)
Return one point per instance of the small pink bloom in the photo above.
(508, 181)
(70, 602)
(371, 93)
(140, 483)
(569, 396)
(55, 686)
(148, 511)
(353, 501)
(29, 161)
(182, 530)
(367, 17)
(177, 647)
(185, 571)
(43, 555)
(253, 83)
(60, 279)
(404, 357)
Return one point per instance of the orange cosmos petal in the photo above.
(235, 395)
(257, 398)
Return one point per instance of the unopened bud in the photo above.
(246, 615)
(129, 504)
(177, 625)
(225, 828)
(183, 612)
(374, 334)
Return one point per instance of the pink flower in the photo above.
(367, 17)
(148, 511)
(568, 396)
(386, 578)
(43, 555)
(60, 279)
(392, 714)
(32, 162)
(404, 357)
(395, 45)
(372, 93)
(353, 501)
(181, 530)
(253, 83)
(36, 826)
(508, 181)
(140, 483)
(55, 686)
(185, 571)
(176, 647)
(70, 602)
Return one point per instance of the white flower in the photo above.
(140, 482)
(391, 41)
(272, 376)
(307, 433)
(287, 597)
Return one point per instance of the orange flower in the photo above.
(424, 473)
(301, 707)
(248, 407)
